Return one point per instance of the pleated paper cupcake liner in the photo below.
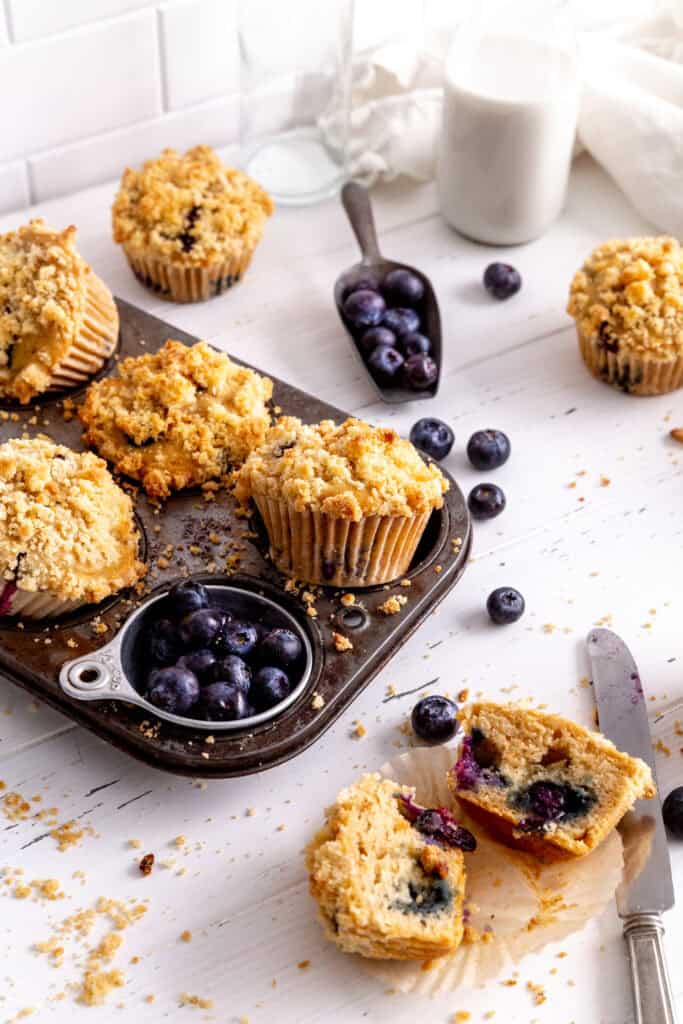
(34, 605)
(513, 904)
(317, 548)
(96, 339)
(187, 284)
(638, 375)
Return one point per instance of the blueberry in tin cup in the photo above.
(343, 505)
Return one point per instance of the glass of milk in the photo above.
(510, 106)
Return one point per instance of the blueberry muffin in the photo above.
(58, 320)
(178, 417)
(188, 224)
(543, 783)
(343, 505)
(67, 532)
(388, 875)
(627, 300)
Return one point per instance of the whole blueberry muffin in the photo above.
(344, 505)
(543, 783)
(177, 417)
(67, 532)
(627, 301)
(58, 320)
(189, 224)
(389, 875)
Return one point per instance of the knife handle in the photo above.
(652, 994)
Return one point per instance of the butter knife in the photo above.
(640, 900)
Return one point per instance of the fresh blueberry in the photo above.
(420, 372)
(415, 344)
(432, 436)
(385, 362)
(428, 822)
(433, 719)
(375, 336)
(672, 810)
(201, 663)
(488, 449)
(233, 671)
(486, 501)
(221, 702)
(505, 605)
(173, 689)
(364, 308)
(236, 637)
(281, 647)
(200, 628)
(186, 597)
(269, 687)
(502, 280)
(401, 287)
(363, 284)
(547, 801)
(401, 321)
(162, 638)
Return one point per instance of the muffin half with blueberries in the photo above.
(178, 417)
(627, 301)
(58, 320)
(389, 875)
(543, 783)
(344, 505)
(67, 532)
(189, 224)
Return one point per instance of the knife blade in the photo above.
(641, 899)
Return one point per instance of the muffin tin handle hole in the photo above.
(354, 617)
(89, 675)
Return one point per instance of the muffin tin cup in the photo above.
(637, 375)
(96, 340)
(187, 284)
(36, 605)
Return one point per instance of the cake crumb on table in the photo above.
(186, 936)
(341, 642)
(202, 1004)
(677, 434)
(359, 730)
(393, 604)
(303, 964)
(537, 991)
(317, 702)
(347, 600)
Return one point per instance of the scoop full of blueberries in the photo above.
(207, 664)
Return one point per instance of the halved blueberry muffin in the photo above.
(389, 875)
(544, 783)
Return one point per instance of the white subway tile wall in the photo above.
(98, 85)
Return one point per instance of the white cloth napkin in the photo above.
(631, 116)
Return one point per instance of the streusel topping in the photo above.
(629, 296)
(177, 417)
(42, 301)
(347, 471)
(65, 526)
(189, 208)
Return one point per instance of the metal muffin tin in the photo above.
(180, 537)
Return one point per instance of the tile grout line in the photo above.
(9, 24)
(163, 67)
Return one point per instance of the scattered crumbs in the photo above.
(405, 582)
(70, 834)
(14, 807)
(584, 682)
(605, 481)
(251, 811)
(202, 1004)
(438, 569)
(98, 627)
(97, 985)
(677, 434)
(180, 841)
(73, 644)
(359, 731)
(392, 605)
(460, 1016)
(463, 695)
(205, 755)
(146, 864)
(509, 982)
(311, 612)
(186, 936)
(571, 485)
(150, 998)
(489, 1015)
(210, 740)
(303, 964)
(662, 748)
(341, 642)
(391, 690)
(280, 828)
(347, 600)
(647, 625)
(317, 702)
(561, 955)
(537, 991)
(549, 627)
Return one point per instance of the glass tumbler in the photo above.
(295, 93)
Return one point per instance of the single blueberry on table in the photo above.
(232, 670)
(672, 810)
(201, 663)
(175, 690)
(505, 605)
(198, 629)
(364, 308)
(433, 437)
(502, 280)
(486, 501)
(186, 597)
(488, 449)
(415, 344)
(401, 321)
(385, 362)
(280, 647)
(434, 719)
(221, 702)
(375, 336)
(269, 687)
(236, 637)
(402, 287)
(420, 372)
(162, 638)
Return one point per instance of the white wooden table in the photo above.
(577, 553)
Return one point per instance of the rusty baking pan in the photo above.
(190, 534)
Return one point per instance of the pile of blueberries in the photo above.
(206, 664)
(385, 322)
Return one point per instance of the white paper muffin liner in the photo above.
(96, 339)
(629, 371)
(31, 604)
(191, 283)
(514, 905)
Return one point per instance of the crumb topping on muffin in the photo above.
(346, 471)
(177, 417)
(65, 526)
(189, 208)
(42, 302)
(628, 296)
